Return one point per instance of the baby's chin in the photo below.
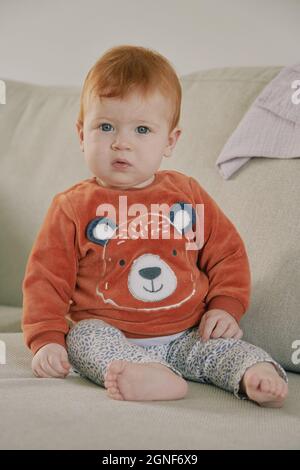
(145, 182)
(118, 185)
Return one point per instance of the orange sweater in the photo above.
(148, 284)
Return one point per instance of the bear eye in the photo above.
(174, 252)
(121, 262)
(182, 216)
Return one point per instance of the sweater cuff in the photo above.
(229, 304)
(46, 338)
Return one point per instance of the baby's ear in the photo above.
(79, 127)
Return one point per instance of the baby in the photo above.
(141, 313)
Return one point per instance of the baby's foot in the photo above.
(143, 381)
(263, 384)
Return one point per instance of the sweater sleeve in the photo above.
(223, 259)
(50, 278)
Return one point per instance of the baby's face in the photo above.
(135, 129)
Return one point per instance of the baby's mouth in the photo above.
(121, 164)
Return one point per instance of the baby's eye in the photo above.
(105, 127)
(104, 124)
(143, 127)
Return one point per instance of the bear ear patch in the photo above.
(100, 230)
(182, 216)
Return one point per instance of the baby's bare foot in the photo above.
(143, 381)
(263, 384)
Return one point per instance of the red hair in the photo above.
(125, 68)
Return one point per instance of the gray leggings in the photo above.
(93, 344)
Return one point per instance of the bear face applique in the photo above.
(146, 265)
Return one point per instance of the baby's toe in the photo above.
(265, 385)
(279, 389)
(273, 387)
(111, 374)
(109, 382)
(283, 390)
(114, 394)
(253, 381)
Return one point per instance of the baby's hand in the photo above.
(217, 323)
(51, 361)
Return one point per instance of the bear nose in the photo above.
(150, 273)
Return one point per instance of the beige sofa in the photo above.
(40, 156)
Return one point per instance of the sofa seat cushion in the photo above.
(74, 413)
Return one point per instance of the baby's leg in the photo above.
(101, 353)
(234, 365)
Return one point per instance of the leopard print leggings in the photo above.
(93, 344)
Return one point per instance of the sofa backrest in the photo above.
(40, 157)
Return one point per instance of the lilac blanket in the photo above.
(271, 126)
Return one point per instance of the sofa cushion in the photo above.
(40, 156)
(69, 413)
(10, 319)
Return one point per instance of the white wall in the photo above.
(57, 41)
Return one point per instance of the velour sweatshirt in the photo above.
(149, 261)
